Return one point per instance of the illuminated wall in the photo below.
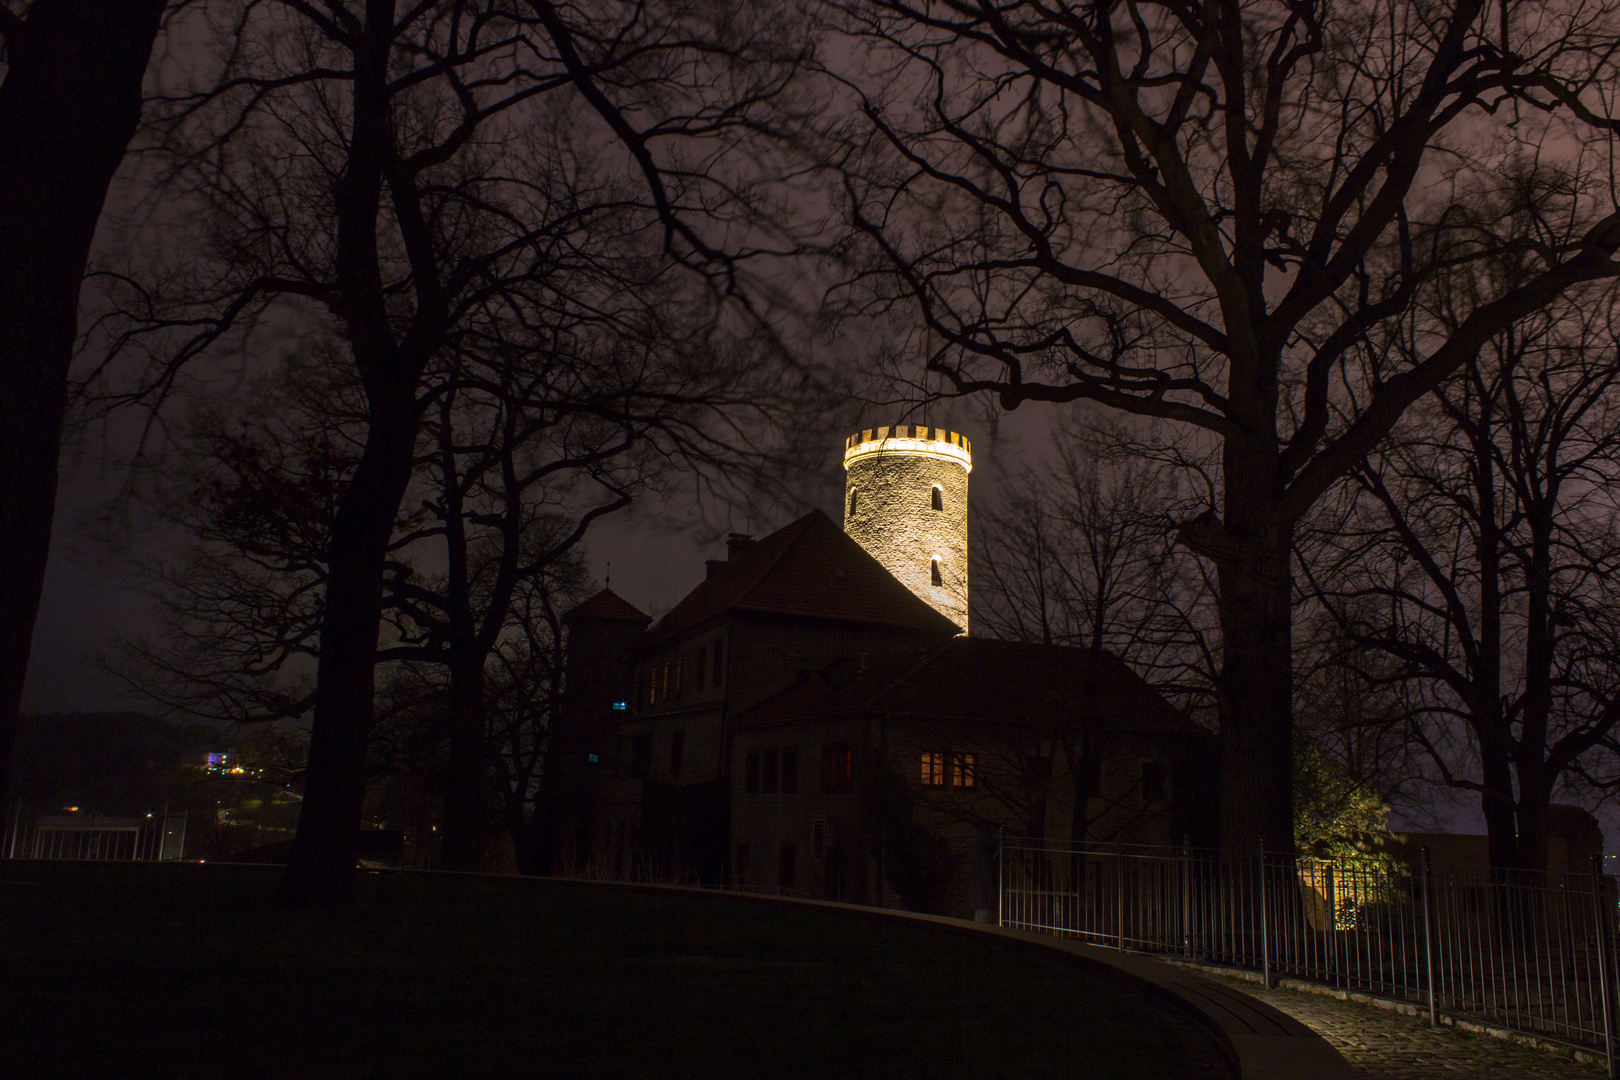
(906, 502)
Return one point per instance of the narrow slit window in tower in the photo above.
(854, 496)
(935, 578)
(938, 497)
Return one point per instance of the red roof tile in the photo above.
(607, 605)
(809, 569)
(981, 679)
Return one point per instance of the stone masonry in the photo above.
(906, 503)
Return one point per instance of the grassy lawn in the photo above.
(191, 971)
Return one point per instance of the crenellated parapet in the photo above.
(909, 439)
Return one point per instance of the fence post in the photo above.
(1186, 896)
(1428, 935)
(1600, 909)
(1119, 900)
(1001, 871)
(1265, 921)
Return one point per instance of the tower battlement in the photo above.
(906, 503)
(909, 438)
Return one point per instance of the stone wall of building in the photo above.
(891, 509)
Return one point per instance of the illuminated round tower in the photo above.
(906, 502)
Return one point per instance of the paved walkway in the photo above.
(1385, 1045)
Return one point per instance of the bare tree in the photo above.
(1476, 566)
(1084, 554)
(391, 175)
(70, 101)
(1202, 214)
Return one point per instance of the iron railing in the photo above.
(1531, 952)
(30, 834)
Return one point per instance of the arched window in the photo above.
(937, 580)
(854, 496)
(939, 499)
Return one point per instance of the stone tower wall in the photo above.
(892, 472)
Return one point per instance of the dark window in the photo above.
(964, 771)
(677, 752)
(742, 867)
(818, 838)
(767, 771)
(787, 866)
(934, 574)
(1155, 782)
(933, 769)
(838, 769)
(854, 496)
(702, 665)
(718, 647)
(680, 677)
(790, 770)
(644, 689)
(938, 498)
(751, 773)
(641, 754)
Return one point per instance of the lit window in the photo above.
(963, 771)
(838, 769)
(938, 498)
(933, 770)
(621, 706)
(934, 574)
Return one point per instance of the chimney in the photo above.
(735, 543)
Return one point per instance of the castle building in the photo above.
(812, 718)
(906, 502)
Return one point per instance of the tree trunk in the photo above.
(69, 105)
(320, 869)
(1256, 679)
(464, 782)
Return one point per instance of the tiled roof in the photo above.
(809, 569)
(981, 679)
(606, 605)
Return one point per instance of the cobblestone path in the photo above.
(1384, 1045)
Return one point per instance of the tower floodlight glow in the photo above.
(906, 503)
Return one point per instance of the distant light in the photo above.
(73, 809)
(593, 758)
(620, 706)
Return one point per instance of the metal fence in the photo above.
(29, 834)
(1531, 952)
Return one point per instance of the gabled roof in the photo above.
(981, 680)
(808, 569)
(608, 606)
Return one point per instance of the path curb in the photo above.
(1262, 1043)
